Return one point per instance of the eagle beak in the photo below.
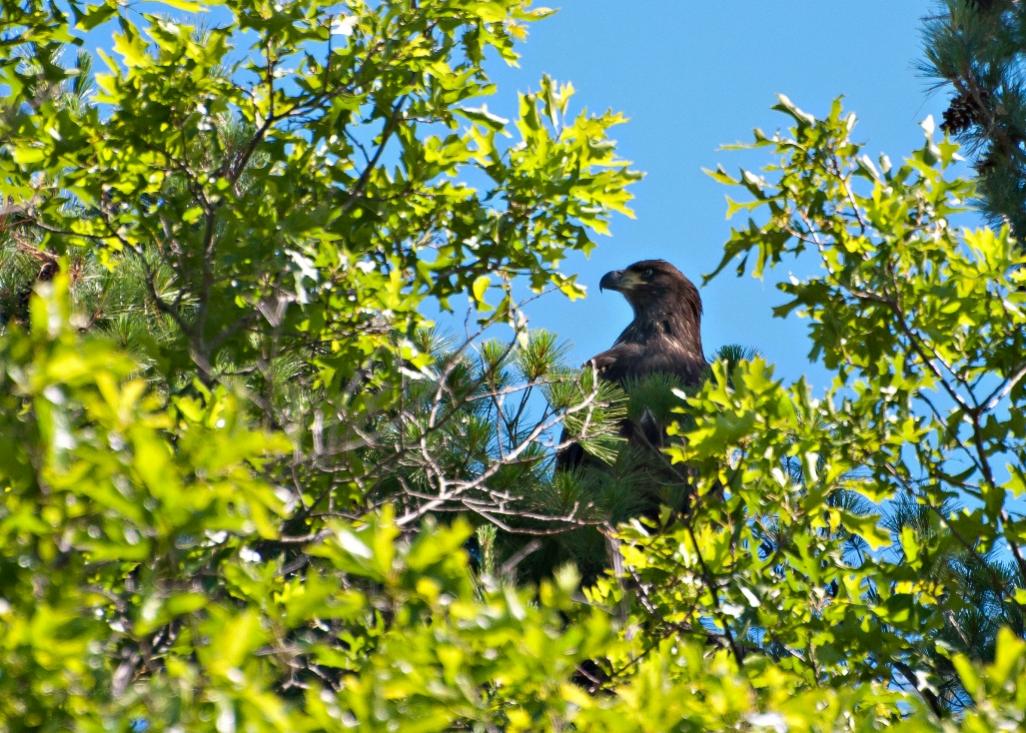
(611, 280)
(622, 281)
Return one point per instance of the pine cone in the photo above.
(963, 112)
(981, 5)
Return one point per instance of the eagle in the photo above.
(665, 337)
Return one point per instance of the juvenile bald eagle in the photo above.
(664, 337)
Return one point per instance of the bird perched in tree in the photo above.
(664, 338)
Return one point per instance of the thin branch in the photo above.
(386, 133)
(707, 577)
(1003, 390)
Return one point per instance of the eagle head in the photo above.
(652, 286)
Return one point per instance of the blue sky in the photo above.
(691, 77)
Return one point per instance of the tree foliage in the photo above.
(247, 485)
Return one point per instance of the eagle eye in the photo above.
(648, 273)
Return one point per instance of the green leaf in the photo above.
(189, 7)
(720, 176)
(192, 214)
(132, 49)
(482, 114)
(95, 16)
(479, 288)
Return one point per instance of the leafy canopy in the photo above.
(231, 450)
